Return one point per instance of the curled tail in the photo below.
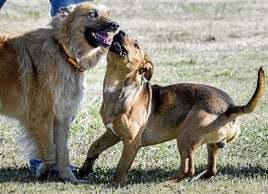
(253, 102)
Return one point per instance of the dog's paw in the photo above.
(42, 172)
(84, 171)
(208, 175)
(68, 176)
(116, 185)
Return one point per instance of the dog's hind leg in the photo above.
(188, 140)
(213, 152)
(105, 141)
(42, 131)
(187, 168)
(187, 151)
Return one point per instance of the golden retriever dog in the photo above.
(140, 114)
(41, 77)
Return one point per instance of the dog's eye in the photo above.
(93, 14)
(136, 46)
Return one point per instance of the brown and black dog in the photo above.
(140, 114)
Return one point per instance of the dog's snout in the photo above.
(114, 26)
(122, 33)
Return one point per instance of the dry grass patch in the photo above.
(220, 43)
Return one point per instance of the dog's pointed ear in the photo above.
(148, 67)
(64, 11)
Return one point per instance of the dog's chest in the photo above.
(126, 105)
(68, 96)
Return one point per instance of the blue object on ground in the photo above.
(35, 163)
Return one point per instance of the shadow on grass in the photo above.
(156, 175)
(23, 175)
(135, 176)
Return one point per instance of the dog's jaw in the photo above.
(103, 37)
(100, 37)
(117, 46)
(97, 39)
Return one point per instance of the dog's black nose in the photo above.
(122, 33)
(114, 26)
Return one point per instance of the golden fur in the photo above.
(140, 114)
(41, 89)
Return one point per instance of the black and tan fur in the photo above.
(140, 114)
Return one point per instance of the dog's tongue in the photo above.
(105, 37)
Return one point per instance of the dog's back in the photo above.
(196, 106)
(186, 95)
(212, 100)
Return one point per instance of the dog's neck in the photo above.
(72, 61)
(118, 84)
(122, 91)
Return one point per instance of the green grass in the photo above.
(177, 36)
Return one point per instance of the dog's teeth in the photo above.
(94, 35)
(104, 37)
(108, 41)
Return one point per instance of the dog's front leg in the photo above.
(130, 150)
(105, 141)
(61, 132)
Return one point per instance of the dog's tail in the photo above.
(253, 102)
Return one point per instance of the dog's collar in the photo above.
(71, 60)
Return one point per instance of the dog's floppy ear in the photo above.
(148, 67)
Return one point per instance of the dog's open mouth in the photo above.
(118, 44)
(100, 36)
(104, 37)
(98, 39)
(118, 48)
